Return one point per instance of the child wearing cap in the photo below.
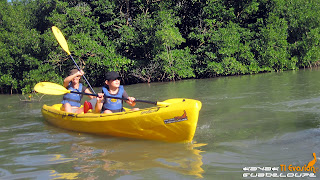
(71, 101)
(113, 88)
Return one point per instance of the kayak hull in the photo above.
(175, 122)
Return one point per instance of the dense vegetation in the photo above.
(154, 40)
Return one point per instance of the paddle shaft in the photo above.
(64, 45)
(125, 99)
(84, 77)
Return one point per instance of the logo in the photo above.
(184, 117)
(292, 171)
(114, 100)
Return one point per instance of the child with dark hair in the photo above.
(105, 102)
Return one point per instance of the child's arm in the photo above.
(99, 103)
(89, 92)
(69, 78)
(131, 101)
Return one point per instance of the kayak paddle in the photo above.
(56, 89)
(63, 43)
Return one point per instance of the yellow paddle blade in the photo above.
(50, 88)
(60, 38)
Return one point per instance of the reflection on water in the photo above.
(40, 160)
(125, 157)
(46, 174)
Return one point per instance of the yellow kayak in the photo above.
(175, 122)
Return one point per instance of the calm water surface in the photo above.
(262, 120)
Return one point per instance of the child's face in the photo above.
(113, 83)
(76, 79)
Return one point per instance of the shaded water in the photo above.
(262, 120)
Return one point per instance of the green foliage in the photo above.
(274, 45)
(167, 32)
(154, 40)
(20, 45)
(228, 66)
(43, 73)
(177, 64)
(95, 53)
(169, 37)
(303, 31)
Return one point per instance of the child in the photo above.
(72, 101)
(113, 89)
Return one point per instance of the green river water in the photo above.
(264, 120)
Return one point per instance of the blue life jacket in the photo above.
(110, 103)
(72, 98)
